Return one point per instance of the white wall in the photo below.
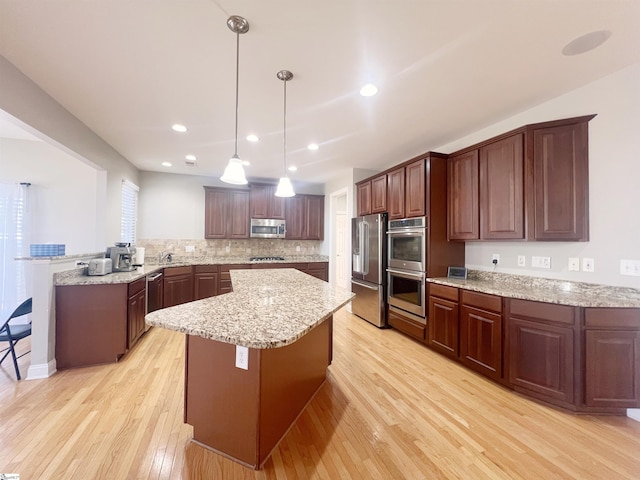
(614, 190)
(62, 194)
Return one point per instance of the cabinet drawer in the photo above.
(206, 268)
(612, 317)
(442, 291)
(407, 325)
(482, 300)
(546, 312)
(175, 271)
(137, 286)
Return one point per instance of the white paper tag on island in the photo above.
(242, 357)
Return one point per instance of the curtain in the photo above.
(14, 242)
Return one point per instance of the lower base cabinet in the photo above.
(443, 321)
(406, 324)
(136, 310)
(178, 286)
(205, 281)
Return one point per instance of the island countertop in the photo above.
(268, 308)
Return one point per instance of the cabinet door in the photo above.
(238, 221)
(314, 212)
(259, 201)
(414, 205)
(319, 270)
(502, 189)
(395, 193)
(612, 376)
(135, 316)
(205, 285)
(364, 198)
(462, 197)
(443, 326)
(379, 194)
(178, 289)
(560, 168)
(481, 341)
(295, 217)
(216, 208)
(541, 359)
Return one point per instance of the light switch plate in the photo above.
(242, 357)
(522, 261)
(574, 264)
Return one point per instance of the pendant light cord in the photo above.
(237, 87)
(284, 129)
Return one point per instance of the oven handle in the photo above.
(401, 273)
(408, 231)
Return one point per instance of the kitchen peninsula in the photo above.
(254, 357)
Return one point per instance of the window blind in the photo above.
(129, 213)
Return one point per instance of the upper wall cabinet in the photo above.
(305, 217)
(528, 184)
(405, 191)
(226, 213)
(372, 195)
(264, 203)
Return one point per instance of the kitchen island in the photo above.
(254, 358)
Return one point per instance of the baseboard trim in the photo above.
(41, 370)
(634, 413)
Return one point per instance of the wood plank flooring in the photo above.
(391, 409)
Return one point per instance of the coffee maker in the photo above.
(121, 257)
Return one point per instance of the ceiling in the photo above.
(129, 69)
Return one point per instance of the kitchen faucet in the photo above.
(165, 256)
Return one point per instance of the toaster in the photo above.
(100, 266)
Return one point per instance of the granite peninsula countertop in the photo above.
(77, 276)
(547, 290)
(268, 308)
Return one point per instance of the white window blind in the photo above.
(129, 214)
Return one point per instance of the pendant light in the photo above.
(285, 189)
(234, 173)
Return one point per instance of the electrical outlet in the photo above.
(588, 265)
(541, 262)
(190, 248)
(242, 357)
(227, 248)
(522, 261)
(297, 248)
(630, 267)
(495, 258)
(574, 264)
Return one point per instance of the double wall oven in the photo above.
(406, 267)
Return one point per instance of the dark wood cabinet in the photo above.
(224, 285)
(379, 194)
(414, 204)
(205, 281)
(136, 310)
(226, 213)
(443, 322)
(263, 202)
(406, 323)
(364, 198)
(561, 182)
(502, 189)
(396, 193)
(305, 217)
(177, 285)
(612, 358)
(462, 197)
(543, 350)
(319, 270)
(481, 333)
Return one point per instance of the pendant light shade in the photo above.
(285, 189)
(234, 173)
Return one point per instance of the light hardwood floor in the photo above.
(391, 409)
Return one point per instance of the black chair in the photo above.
(14, 333)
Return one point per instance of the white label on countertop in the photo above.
(242, 357)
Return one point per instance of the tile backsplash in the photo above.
(228, 248)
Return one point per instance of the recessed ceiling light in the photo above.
(252, 138)
(191, 158)
(313, 146)
(368, 90)
(293, 168)
(178, 128)
(166, 164)
(586, 43)
(246, 163)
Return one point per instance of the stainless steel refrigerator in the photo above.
(369, 257)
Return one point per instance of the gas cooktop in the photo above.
(266, 259)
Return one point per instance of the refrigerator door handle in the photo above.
(363, 285)
(365, 241)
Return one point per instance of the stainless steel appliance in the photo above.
(406, 272)
(267, 228)
(368, 265)
(122, 257)
(99, 266)
(155, 290)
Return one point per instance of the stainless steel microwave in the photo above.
(267, 228)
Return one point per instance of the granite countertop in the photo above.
(78, 276)
(547, 290)
(268, 308)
